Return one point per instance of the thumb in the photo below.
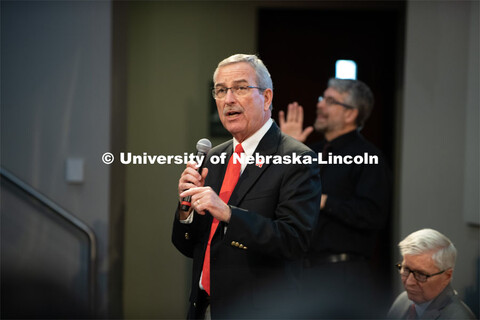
(306, 133)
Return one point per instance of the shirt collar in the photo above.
(251, 143)
(421, 307)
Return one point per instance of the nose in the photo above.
(321, 104)
(411, 279)
(230, 97)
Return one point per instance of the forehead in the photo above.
(421, 262)
(234, 73)
(331, 92)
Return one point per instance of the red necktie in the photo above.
(412, 314)
(229, 181)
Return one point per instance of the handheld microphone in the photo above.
(203, 146)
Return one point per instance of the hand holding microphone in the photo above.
(191, 177)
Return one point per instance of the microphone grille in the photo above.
(204, 145)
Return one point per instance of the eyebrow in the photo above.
(416, 270)
(234, 82)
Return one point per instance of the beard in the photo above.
(320, 126)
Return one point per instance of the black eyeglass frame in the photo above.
(235, 88)
(332, 101)
(417, 273)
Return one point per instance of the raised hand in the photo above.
(293, 125)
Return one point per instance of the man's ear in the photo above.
(351, 115)
(268, 94)
(449, 273)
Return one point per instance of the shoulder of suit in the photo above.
(221, 147)
(402, 300)
(403, 297)
(456, 309)
(399, 306)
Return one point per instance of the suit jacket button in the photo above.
(244, 248)
(233, 243)
(241, 246)
(237, 244)
(187, 236)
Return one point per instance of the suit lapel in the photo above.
(401, 309)
(267, 146)
(214, 179)
(216, 172)
(443, 299)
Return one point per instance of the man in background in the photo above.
(426, 271)
(355, 203)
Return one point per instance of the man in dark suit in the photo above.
(266, 226)
(426, 270)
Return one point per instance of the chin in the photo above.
(415, 298)
(320, 129)
(234, 128)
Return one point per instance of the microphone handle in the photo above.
(186, 201)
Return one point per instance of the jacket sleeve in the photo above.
(185, 237)
(288, 231)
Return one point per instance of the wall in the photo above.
(173, 50)
(440, 129)
(55, 104)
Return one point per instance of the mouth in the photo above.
(232, 113)
(412, 291)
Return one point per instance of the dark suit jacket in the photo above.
(256, 263)
(447, 305)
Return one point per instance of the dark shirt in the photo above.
(358, 202)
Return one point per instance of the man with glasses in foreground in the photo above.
(249, 224)
(426, 271)
(355, 206)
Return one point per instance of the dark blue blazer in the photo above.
(256, 263)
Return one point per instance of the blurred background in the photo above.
(83, 239)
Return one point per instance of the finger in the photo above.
(200, 202)
(188, 182)
(191, 192)
(193, 165)
(300, 115)
(296, 112)
(196, 206)
(185, 186)
(191, 175)
(291, 112)
(204, 174)
(281, 118)
(190, 171)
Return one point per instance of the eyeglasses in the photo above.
(238, 91)
(329, 101)
(419, 276)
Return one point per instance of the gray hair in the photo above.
(429, 240)
(263, 77)
(359, 96)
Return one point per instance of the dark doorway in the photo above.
(300, 46)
